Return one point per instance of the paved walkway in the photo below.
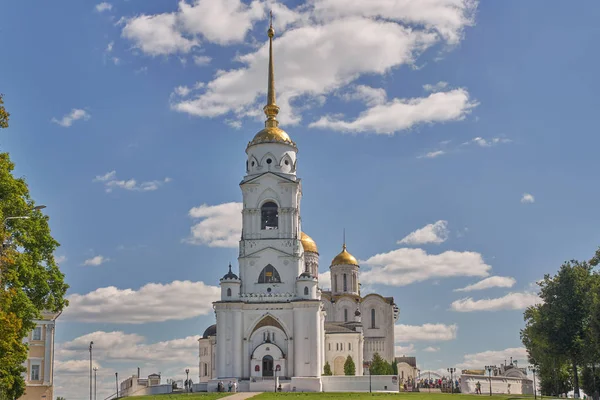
(242, 395)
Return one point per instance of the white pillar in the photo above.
(48, 353)
(298, 339)
(237, 343)
(221, 344)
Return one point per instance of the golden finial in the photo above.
(271, 110)
(344, 245)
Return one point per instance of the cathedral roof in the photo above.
(272, 133)
(337, 328)
(230, 275)
(210, 331)
(308, 243)
(344, 258)
(412, 361)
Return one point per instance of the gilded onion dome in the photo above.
(308, 243)
(272, 133)
(344, 258)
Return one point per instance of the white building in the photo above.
(274, 319)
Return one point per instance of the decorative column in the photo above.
(48, 361)
(221, 344)
(237, 343)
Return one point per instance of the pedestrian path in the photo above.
(242, 395)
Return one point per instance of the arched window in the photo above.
(345, 315)
(306, 290)
(228, 292)
(345, 283)
(269, 275)
(372, 318)
(269, 216)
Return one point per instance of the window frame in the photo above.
(269, 210)
(274, 278)
(33, 333)
(31, 369)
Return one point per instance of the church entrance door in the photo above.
(267, 368)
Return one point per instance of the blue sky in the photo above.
(451, 110)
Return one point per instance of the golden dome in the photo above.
(272, 134)
(344, 258)
(308, 243)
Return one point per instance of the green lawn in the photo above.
(183, 396)
(381, 396)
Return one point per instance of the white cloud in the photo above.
(431, 349)
(432, 233)
(493, 357)
(68, 119)
(433, 154)
(202, 60)
(441, 85)
(120, 351)
(369, 95)
(109, 47)
(60, 259)
(425, 332)
(182, 91)
(153, 302)
(325, 280)
(482, 142)
(527, 198)
(317, 59)
(111, 182)
(222, 22)
(220, 225)
(491, 282)
(96, 261)
(404, 350)
(104, 6)
(511, 301)
(403, 114)
(405, 266)
(157, 34)
(73, 366)
(325, 45)
(447, 17)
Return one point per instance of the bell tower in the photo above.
(270, 250)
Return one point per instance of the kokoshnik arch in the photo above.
(274, 318)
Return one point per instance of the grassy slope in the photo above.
(381, 396)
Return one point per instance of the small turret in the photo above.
(230, 286)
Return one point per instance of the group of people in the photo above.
(232, 386)
(440, 383)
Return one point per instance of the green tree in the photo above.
(31, 280)
(3, 113)
(556, 330)
(327, 369)
(379, 366)
(349, 367)
(60, 398)
(395, 367)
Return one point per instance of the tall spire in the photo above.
(271, 110)
(344, 245)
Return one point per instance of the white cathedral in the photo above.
(274, 320)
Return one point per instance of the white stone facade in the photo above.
(271, 319)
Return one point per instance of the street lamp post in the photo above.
(117, 383)
(533, 370)
(95, 380)
(489, 369)
(91, 344)
(36, 208)
(187, 379)
(451, 370)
